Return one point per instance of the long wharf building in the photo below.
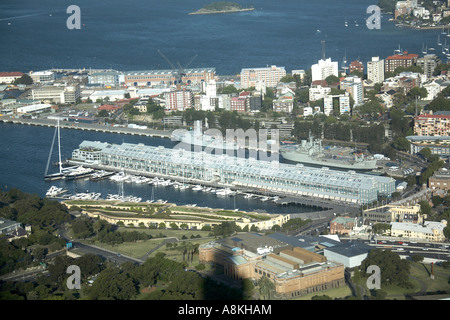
(223, 170)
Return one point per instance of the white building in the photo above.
(343, 100)
(429, 230)
(353, 85)
(112, 95)
(34, 108)
(375, 70)
(433, 89)
(307, 111)
(349, 255)
(323, 69)
(317, 92)
(42, 76)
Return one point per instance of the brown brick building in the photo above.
(294, 271)
(400, 60)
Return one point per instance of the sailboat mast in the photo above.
(59, 148)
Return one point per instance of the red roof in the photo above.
(108, 107)
(11, 74)
(404, 56)
(322, 83)
(432, 116)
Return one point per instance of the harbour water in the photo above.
(126, 35)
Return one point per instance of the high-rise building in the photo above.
(179, 100)
(270, 76)
(324, 68)
(375, 70)
(353, 85)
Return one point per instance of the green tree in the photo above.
(332, 79)
(112, 284)
(25, 79)
(265, 287)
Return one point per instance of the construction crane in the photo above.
(178, 72)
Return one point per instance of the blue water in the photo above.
(125, 35)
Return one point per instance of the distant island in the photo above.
(222, 7)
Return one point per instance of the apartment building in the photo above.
(353, 85)
(318, 90)
(343, 103)
(404, 59)
(324, 68)
(356, 66)
(440, 180)
(432, 124)
(428, 63)
(270, 76)
(179, 100)
(375, 70)
(239, 104)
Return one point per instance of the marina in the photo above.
(228, 174)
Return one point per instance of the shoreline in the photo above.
(152, 133)
(199, 12)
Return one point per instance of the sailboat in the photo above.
(61, 173)
(439, 43)
(424, 51)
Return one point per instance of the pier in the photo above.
(89, 126)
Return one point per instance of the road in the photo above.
(408, 248)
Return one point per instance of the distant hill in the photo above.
(221, 7)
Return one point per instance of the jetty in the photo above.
(89, 127)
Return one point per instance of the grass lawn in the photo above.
(419, 277)
(131, 249)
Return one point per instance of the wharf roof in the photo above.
(168, 71)
(246, 167)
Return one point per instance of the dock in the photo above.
(89, 127)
